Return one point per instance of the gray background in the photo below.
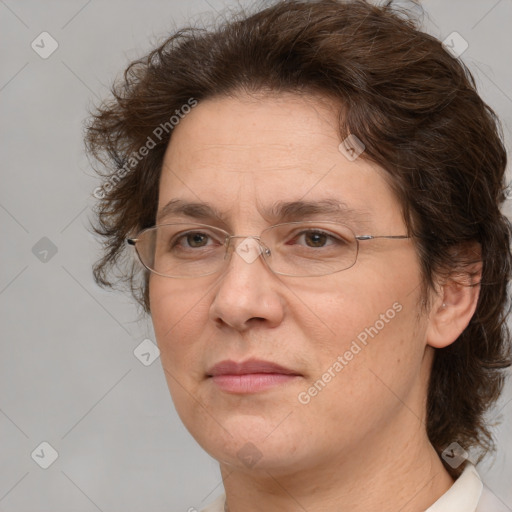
(68, 374)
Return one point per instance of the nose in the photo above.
(247, 292)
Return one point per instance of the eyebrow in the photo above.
(281, 211)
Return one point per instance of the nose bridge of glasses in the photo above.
(249, 247)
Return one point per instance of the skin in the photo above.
(360, 443)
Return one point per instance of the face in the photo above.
(351, 342)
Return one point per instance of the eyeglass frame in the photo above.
(263, 253)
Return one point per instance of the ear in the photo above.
(455, 302)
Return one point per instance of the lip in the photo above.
(250, 376)
(229, 367)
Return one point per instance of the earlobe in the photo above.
(454, 307)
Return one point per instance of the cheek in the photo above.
(360, 387)
(333, 316)
(372, 362)
(178, 315)
(365, 328)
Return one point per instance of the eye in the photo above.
(317, 238)
(191, 239)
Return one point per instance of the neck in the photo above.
(402, 472)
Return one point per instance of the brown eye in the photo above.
(316, 239)
(191, 240)
(196, 239)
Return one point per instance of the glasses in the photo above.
(300, 249)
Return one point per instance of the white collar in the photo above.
(462, 496)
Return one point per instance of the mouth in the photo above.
(251, 376)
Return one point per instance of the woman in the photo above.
(313, 191)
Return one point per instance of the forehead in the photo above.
(245, 154)
(277, 132)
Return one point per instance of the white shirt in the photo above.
(467, 494)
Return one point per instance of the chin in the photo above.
(250, 442)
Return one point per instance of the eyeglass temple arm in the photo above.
(372, 237)
(131, 241)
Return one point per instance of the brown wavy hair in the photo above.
(413, 105)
